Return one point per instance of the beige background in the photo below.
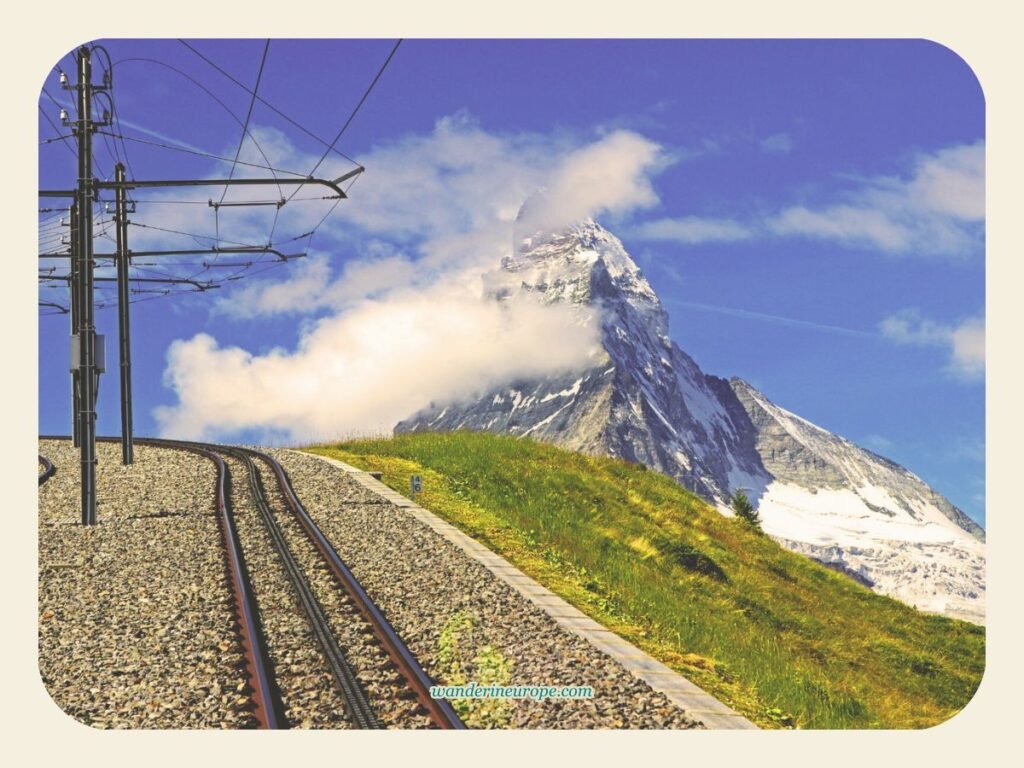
(983, 33)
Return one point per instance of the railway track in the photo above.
(48, 469)
(280, 508)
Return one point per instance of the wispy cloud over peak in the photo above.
(936, 210)
(692, 229)
(777, 144)
(843, 223)
(403, 296)
(964, 341)
(952, 182)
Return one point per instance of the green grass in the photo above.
(780, 638)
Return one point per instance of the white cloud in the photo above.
(964, 342)
(402, 316)
(310, 287)
(692, 229)
(937, 210)
(969, 347)
(777, 144)
(952, 182)
(610, 176)
(845, 223)
(362, 371)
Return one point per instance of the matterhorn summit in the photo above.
(643, 399)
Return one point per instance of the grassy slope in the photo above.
(778, 637)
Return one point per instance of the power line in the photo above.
(115, 113)
(248, 117)
(247, 132)
(64, 139)
(200, 153)
(355, 111)
(57, 104)
(268, 105)
(194, 236)
(209, 93)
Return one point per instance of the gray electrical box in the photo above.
(101, 353)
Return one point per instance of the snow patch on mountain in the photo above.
(643, 399)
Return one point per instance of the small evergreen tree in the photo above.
(745, 510)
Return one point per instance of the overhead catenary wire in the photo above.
(352, 115)
(114, 112)
(268, 105)
(195, 236)
(209, 93)
(119, 135)
(53, 229)
(248, 117)
(58, 105)
(56, 130)
(201, 153)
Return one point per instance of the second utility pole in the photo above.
(123, 320)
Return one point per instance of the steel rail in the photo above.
(358, 705)
(272, 715)
(440, 711)
(48, 469)
(268, 707)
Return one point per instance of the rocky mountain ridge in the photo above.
(643, 399)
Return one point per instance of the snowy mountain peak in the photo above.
(582, 263)
(645, 400)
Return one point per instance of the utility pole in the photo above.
(87, 351)
(123, 320)
(83, 285)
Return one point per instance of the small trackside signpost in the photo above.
(415, 485)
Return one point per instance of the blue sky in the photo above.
(810, 212)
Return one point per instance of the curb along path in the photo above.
(693, 699)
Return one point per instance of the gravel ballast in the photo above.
(421, 581)
(303, 678)
(393, 703)
(135, 616)
(136, 623)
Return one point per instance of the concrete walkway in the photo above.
(694, 700)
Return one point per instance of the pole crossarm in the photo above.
(202, 286)
(200, 251)
(332, 184)
(186, 252)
